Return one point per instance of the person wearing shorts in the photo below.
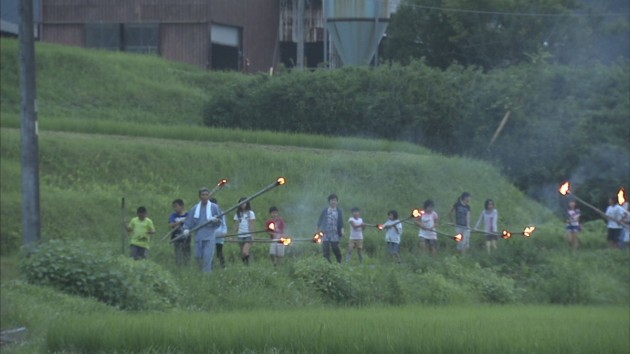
(245, 219)
(615, 215)
(428, 223)
(573, 224)
(356, 235)
(488, 219)
(393, 232)
(276, 249)
(460, 216)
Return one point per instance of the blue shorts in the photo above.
(244, 240)
(574, 228)
(393, 248)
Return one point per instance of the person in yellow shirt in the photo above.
(141, 229)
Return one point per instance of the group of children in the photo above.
(331, 225)
(617, 218)
(332, 229)
(209, 239)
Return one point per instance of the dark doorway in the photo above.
(224, 57)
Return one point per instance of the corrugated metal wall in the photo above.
(184, 25)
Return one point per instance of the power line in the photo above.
(524, 14)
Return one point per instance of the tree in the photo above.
(500, 33)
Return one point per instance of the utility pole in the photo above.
(300, 35)
(31, 220)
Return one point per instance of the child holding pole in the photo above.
(176, 221)
(245, 219)
(393, 232)
(573, 224)
(219, 237)
(356, 234)
(428, 223)
(460, 216)
(276, 249)
(488, 218)
(331, 223)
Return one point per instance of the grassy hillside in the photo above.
(103, 85)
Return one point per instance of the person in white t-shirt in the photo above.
(393, 232)
(245, 219)
(625, 231)
(356, 234)
(614, 214)
(488, 219)
(428, 223)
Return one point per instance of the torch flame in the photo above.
(458, 237)
(222, 182)
(379, 226)
(529, 230)
(506, 234)
(416, 213)
(281, 180)
(271, 226)
(317, 238)
(621, 196)
(565, 188)
(285, 240)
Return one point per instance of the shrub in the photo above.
(76, 268)
(330, 280)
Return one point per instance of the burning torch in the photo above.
(219, 185)
(278, 182)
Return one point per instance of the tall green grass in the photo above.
(115, 86)
(371, 330)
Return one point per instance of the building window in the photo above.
(128, 37)
(103, 36)
(141, 38)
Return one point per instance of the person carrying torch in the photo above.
(203, 213)
(276, 249)
(331, 223)
(393, 232)
(428, 223)
(615, 215)
(460, 216)
(356, 234)
(245, 219)
(488, 219)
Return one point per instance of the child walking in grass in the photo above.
(428, 222)
(356, 234)
(488, 219)
(245, 219)
(276, 249)
(182, 245)
(219, 237)
(141, 229)
(460, 216)
(393, 232)
(573, 224)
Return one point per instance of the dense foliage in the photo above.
(499, 33)
(561, 120)
(75, 267)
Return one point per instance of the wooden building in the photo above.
(214, 34)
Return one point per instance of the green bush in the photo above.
(330, 280)
(435, 289)
(81, 269)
